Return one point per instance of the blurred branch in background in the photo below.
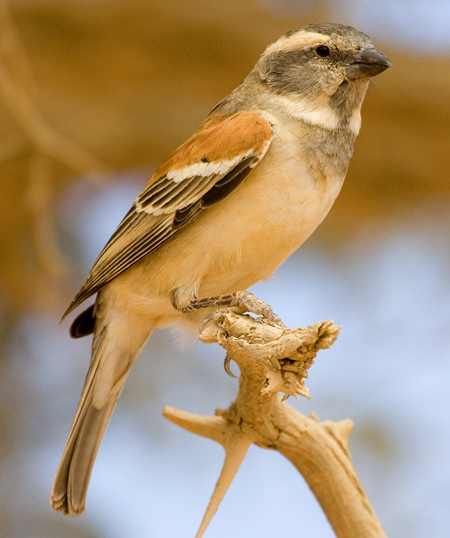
(18, 92)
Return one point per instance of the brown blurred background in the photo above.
(97, 93)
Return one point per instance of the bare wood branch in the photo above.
(274, 359)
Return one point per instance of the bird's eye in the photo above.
(323, 51)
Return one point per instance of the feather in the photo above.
(198, 175)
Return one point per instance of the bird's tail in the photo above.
(110, 364)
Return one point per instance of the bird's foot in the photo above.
(240, 302)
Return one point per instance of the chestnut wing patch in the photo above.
(201, 173)
(220, 190)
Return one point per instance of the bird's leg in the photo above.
(240, 302)
(183, 296)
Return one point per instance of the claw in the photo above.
(226, 365)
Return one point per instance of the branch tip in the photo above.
(214, 428)
(235, 451)
(340, 430)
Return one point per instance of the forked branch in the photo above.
(274, 359)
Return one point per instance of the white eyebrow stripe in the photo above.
(301, 40)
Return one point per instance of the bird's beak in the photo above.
(367, 63)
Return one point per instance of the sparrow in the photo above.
(221, 213)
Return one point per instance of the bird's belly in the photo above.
(237, 242)
(263, 223)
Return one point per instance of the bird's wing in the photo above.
(199, 174)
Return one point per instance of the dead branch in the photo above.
(274, 359)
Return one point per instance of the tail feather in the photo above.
(72, 479)
(107, 373)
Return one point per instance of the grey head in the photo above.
(321, 73)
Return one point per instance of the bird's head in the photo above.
(320, 72)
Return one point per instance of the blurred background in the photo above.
(93, 96)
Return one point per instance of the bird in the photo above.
(221, 213)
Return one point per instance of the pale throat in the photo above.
(320, 112)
